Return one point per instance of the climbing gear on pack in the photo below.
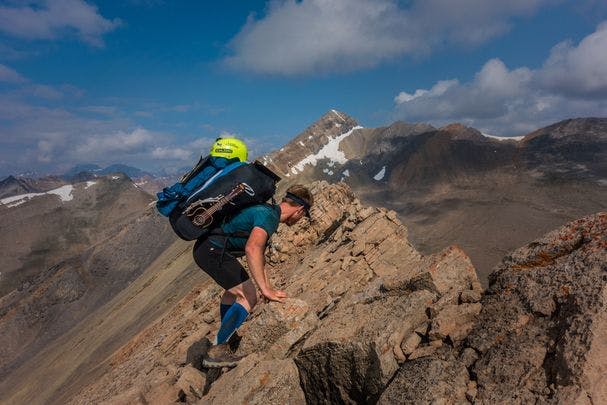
(231, 189)
(197, 178)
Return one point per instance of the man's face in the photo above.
(296, 216)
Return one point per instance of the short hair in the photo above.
(301, 192)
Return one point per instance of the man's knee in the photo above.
(245, 292)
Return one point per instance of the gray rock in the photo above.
(470, 296)
(428, 380)
(542, 332)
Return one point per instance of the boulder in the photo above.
(356, 350)
(428, 380)
(542, 331)
(191, 382)
(257, 381)
(277, 328)
(454, 321)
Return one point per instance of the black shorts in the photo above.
(223, 267)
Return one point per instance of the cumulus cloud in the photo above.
(9, 75)
(119, 142)
(308, 36)
(572, 82)
(578, 70)
(51, 18)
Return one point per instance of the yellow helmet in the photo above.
(230, 148)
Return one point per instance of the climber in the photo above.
(216, 255)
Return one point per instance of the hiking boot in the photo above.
(219, 356)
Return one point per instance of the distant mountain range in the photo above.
(94, 169)
(455, 185)
(151, 183)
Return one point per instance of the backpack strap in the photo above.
(224, 245)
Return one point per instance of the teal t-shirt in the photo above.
(265, 216)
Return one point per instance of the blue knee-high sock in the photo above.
(234, 317)
(223, 308)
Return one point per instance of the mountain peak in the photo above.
(329, 127)
(333, 114)
(459, 131)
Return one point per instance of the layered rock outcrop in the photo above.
(363, 302)
(371, 320)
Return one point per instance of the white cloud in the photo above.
(579, 70)
(301, 37)
(119, 142)
(175, 153)
(571, 83)
(51, 18)
(437, 90)
(9, 75)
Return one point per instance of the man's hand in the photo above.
(274, 295)
(255, 247)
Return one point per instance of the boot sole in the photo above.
(218, 364)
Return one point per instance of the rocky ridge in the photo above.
(363, 302)
(371, 320)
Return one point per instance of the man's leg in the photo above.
(226, 302)
(246, 298)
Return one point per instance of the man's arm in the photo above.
(254, 249)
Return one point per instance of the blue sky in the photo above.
(152, 83)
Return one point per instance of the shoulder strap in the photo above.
(202, 162)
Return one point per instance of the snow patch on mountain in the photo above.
(380, 175)
(89, 184)
(64, 193)
(329, 151)
(503, 138)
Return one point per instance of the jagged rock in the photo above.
(423, 351)
(454, 321)
(359, 339)
(163, 393)
(470, 296)
(347, 372)
(428, 380)
(468, 356)
(542, 332)
(191, 382)
(208, 318)
(410, 344)
(446, 280)
(257, 381)
(277, 328)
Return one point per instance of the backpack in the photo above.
(221, 193)
(170, 197)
